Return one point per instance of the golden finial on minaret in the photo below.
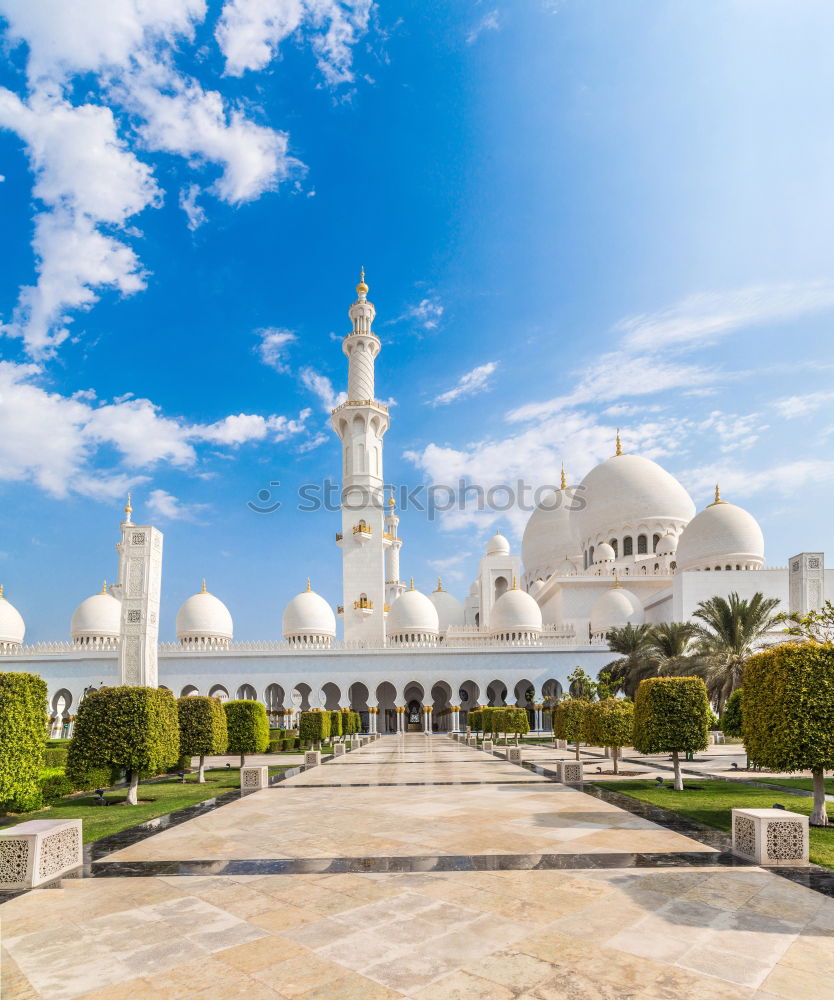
(619, 444)
(717, 494)
(411, 587)
(104, 587)
(515, 583)
(203, 588)
(1, 593)
(362, 288)
(564, 485)
(128, 508)
(439, 586)
(308, 584)
(391, 497)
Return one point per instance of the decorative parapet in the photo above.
(361, 402)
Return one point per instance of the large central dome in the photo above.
(628, 491)
(549, 537)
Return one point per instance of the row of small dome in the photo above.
(627, 494)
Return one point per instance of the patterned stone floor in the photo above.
(516, 930)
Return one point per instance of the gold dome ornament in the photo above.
(203, 588)
(128, 509)
(391, 502)
(564, 484)
(362, 288)
(717, 497)
(619, 444)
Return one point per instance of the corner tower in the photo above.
(361, 421)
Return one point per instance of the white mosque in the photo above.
(623, 546)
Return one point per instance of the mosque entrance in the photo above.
(415, 716)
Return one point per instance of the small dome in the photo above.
(549, 536)
(604, 553)
(12, 628)
(203, 617)
(308, 615)
(498, 546)
(515, 611)
(99, 617)
(473, 590)
(448, 607)
(566, 568)
(535, 587)
(614, 609)
(629, 490)
(721, 535)
(667, 546)
(412, 614)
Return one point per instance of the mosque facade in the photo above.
(625, 545)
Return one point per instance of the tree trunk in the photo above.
(243, 760)
(676, 762)
(615, 753)
(577, 749)
(133, 789)
(201, 776)
(819, 817)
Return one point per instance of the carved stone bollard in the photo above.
(339, 750)
(771, 837)
(561, 744)
(312, 758)
(254, 778)
(472, 741)
(514, 755)
(39, 851)
(570, 772)
(487, 746)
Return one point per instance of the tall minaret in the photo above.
(361, 421)
(140, 580)
(393, 584)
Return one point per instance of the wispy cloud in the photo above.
(272, 346)
(321, 386)
(707, 316)
(195, 213)
(791, 407)
(168, 507)
(491, 21)
(426, 313)
(470, 384)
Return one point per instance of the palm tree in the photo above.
(669, 647)
(727, 633)
(635, 663)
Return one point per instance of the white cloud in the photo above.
(64, 444)
(470, 384)
(195, 213)
(167, 507)
(783, 479)
(321, 386)
(792, 407)
(316, 441)
(426, 313)
(706, 316)
(489, 22)
(88, 175)
(249, 32)
(734, 432)
(273, 346)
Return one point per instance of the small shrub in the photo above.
(611, 724)
(671, 715)
(336, 723)
(570, 721)
(314, 726)
(55, 757)
(203, 729)
(55, 786)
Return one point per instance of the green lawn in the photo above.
(805, 783)
(710, 803)
(162, 797)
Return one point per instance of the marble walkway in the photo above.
(418, 867)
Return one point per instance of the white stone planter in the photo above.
(487, 746)
(254, 778)
(514, 755)
(561, 744)
(312, 758)
(39, 851)
(570, 772)
(339, 750)
(771, 837)
(472, 741)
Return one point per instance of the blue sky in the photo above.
(573, 216)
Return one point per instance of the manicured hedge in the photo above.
(671, 715)
(336, 723)
(351, 722)
(731, 719)
(570, 721)
(135, 729)
(788, 719)
(611, 724)
(509, 719)
(22, 740)
(475, 720)
(248, 727)
(314, 726)
(203, 729)
(55, 757)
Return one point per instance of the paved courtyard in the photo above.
(417, 867)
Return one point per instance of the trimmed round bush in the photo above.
(135, 729)
(22, 740)
(335, 723)
(611, 724)
(731, 719)
(570, 721)
(671, 715)
(247, 726)
(203, 729)
(788, 718)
